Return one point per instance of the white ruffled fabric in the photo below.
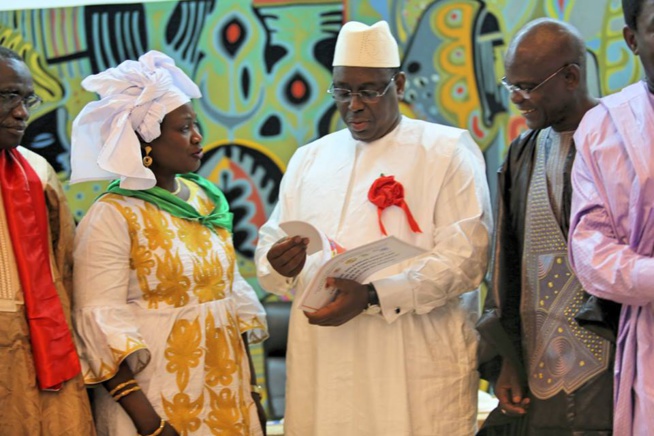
(115, 337)
(134, 97)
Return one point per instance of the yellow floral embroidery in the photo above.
(133, 226)
(208, 278)
(194, 235)
(205, 206)
(223, 233)
(221, 344)
(184, 350)
(131, 345)
(140, 260)
(182, 413)
(226, 236)
(156, 229)
(149, 295)
(228, 416)
(173, 285)
(102, 372)
(252, 324)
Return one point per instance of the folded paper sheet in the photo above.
(357, 264)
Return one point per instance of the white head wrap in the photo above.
(134, 96)
(359, 45)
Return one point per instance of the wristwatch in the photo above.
(373, 300)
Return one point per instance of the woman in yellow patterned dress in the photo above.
(161, 312)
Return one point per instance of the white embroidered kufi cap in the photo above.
(134, 97)
(360, 45)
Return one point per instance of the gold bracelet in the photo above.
(122, 385)
(158, 431)
(256, 389)
(126, 392)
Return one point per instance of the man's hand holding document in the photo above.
(357, 264)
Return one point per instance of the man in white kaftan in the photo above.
(407, 364)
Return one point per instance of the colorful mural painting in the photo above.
(264, 66)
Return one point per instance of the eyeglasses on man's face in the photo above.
(526, 92)
(10, 100)
(342, 95)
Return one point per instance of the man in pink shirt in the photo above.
(612, 226)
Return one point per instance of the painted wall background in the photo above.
(264, 67)
(40, 4)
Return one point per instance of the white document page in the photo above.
(356, 264)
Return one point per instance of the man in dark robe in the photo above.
(552, 374)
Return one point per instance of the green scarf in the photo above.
(164, 200)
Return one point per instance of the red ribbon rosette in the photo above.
(385, 192)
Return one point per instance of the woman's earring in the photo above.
(147, 160)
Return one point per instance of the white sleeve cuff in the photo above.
(395, 296)
(271, 280)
